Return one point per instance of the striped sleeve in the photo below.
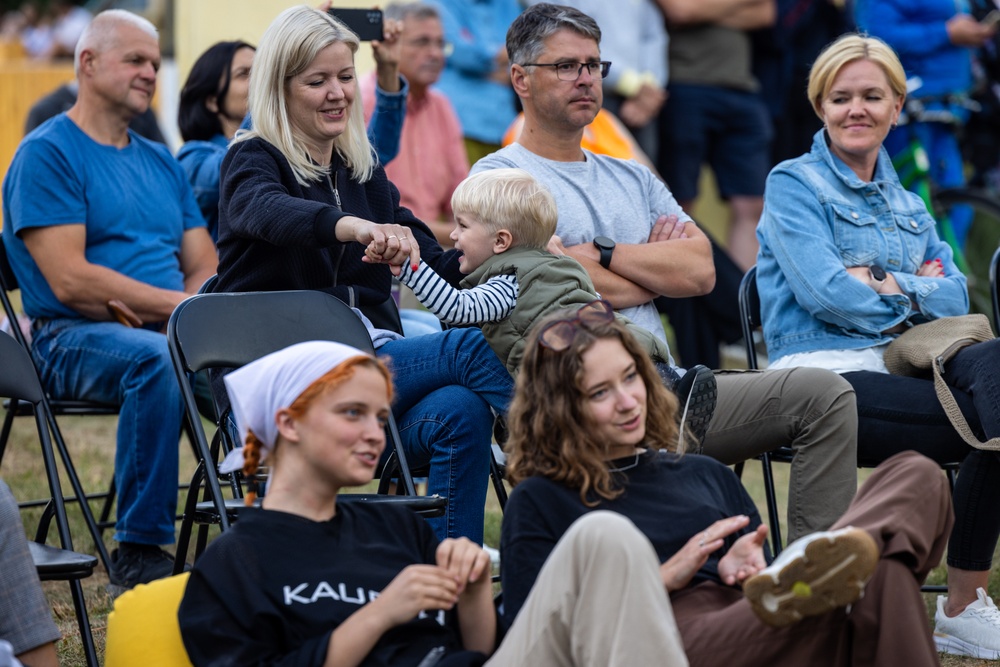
(489, 302)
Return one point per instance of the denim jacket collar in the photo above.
(885, 174)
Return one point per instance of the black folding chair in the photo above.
(749, 301)
(227, 331)
(995, 289)
(19, 382)
(751, 321)
(54, 407)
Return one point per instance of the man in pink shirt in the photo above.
(432, 159)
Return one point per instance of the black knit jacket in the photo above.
(275, 234)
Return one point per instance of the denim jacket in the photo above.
(819, 219)
(201, 161)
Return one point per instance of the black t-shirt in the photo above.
(669, 498)
(272, 589)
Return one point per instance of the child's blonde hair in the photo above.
(509, 199)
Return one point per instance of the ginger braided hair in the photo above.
(335, 377)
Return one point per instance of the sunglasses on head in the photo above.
(559, 335)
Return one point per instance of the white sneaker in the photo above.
(975, 632)
(813, 575)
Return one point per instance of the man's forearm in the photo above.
(761, 14)
(618, 291)
(676, 268)
(96, 285)
(691, 12)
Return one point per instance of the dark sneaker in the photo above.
(133, 564)
(697, 391)
(813, 575)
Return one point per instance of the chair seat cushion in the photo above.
(143, 628)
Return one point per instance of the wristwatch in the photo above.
(606, 246)
(876, 277)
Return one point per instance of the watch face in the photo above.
(878, 273)
(604, 242)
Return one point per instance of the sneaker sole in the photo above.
(831, 573)
(700, 405)
(955, 646)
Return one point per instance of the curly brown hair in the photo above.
(326, 382)
(551, 432)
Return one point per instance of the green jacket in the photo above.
(546, 283)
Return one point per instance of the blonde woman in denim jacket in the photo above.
(848, 259)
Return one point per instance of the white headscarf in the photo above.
(263, 387)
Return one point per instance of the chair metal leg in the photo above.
(187, 522)
(74, 480)
(104, 522)
(8, 422)
(498, 486)
(83, 620)
(772, 503)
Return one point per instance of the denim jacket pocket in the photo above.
(856, 235)
(913, 228)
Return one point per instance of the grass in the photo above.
(91, 441)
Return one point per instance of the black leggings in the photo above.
(900, 413)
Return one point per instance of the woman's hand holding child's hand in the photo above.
(386, 244)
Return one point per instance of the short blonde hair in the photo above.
(848, 49)
(509, 199)
(287, 48)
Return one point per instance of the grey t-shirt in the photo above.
(602, 196)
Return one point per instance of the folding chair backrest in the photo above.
(8, 283)
(18, 378)
(749, 300)
(7, 278)
(231, 330)
(995, 289)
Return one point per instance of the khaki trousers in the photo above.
(809, 409)
(906, 507)
(598, 602)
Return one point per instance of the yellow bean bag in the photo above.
(143, 629)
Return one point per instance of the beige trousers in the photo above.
(598, 602)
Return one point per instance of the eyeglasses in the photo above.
(559, 335)
(572, 71)
(423, 43)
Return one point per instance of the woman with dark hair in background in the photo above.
(212, 107)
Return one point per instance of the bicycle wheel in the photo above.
(981, 243)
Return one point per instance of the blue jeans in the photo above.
(109, 363)
(445, 385)
(901, 413)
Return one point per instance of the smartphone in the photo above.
(366, 23)
(991, 19)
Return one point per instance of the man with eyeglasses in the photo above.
(432, 159)
(623, 225)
